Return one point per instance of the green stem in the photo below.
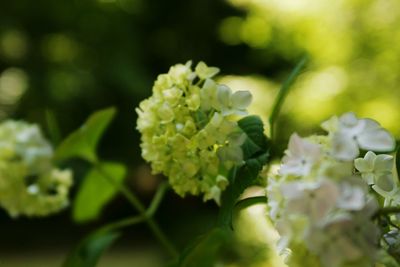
(137, 204)
(387, 211)
(389, 221)
(53, 127)
(283, 91)
(247, 202)
(130, 196)
(122, 223)
(155, 203)
(228, 199)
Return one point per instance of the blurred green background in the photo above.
(70, 58)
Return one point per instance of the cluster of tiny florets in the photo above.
(29, 183)
(324, 197)
(189, 129)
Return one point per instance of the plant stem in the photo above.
(283, 91)
(247, 202)
(130, 196)
(155, 203)
(228, 199)
(122, 223)
(386, 211)
(138, 205)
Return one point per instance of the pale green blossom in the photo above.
(29, 183)
(233, 103)
(377, 171)
(205, 72)
(188, 133)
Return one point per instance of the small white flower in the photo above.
(349, 134)
(314, 199)
(233, 103)
(332, 244)
(376, 170)
(352, 195)
(208, 95)
(300, 156)
(275, 198)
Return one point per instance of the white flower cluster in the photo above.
(29, 183)
(189, 129)
(324, 197)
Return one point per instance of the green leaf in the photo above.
(96, 191)
(204, 251)
(88, 252)
(284, 90)
(83, 142)
(253, 167)
(256, 140)
(242, 178)
(256, 155)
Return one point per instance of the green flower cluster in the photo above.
(189, 129)
(29, 183)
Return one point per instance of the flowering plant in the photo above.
(325, 201)
(29, 183)
(334, 200)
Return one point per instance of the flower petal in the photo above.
(331, 125)
(348, 120)
(385, 182)
(204, 72)
(344, 148)
(241, 99)
(376, 140)
(362, 165)
(224, 94)
(371, 124)
(365, 164)
(384, 163)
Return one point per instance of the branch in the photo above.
(386, 211)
